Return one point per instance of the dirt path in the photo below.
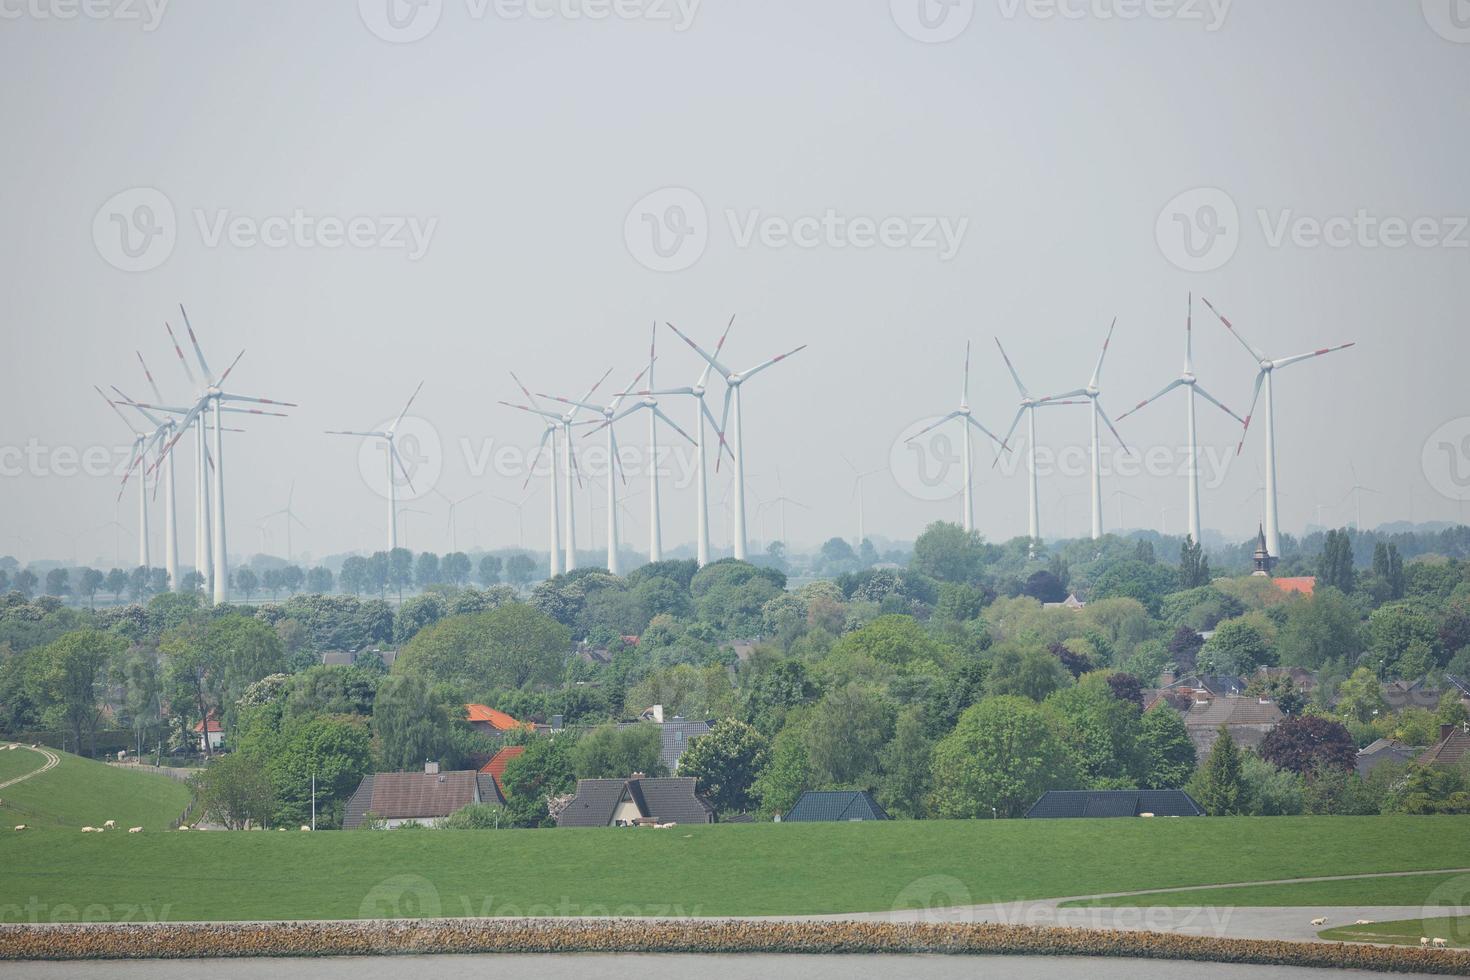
(52, 761)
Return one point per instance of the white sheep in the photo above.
(109, 825)
(89, 830)
(1363, 922)
(183, 826)
(1320, 921)
(1423, 940)
(135, 830)
(20, 826)
(1438, 942)
(306, 827)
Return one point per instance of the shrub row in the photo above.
(191, 940)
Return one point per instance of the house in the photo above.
(495, 768)
(216, 733)
(1453, 744)
(489, 721)
(1301, 678)
(820, 805)
(1384, 750)
(1412, 694)
(1071, 602)
(675, 734)
(1062, 803)
(426, 797)
(1248, 720)
(1208, 685)
(635, 801)
(1303, 585)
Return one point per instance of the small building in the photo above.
(635, 801)
(1063, 803)
(216, 733)
(1383, 751)
(1071, 602)
(397, 798)
(675, 734)
(1453, 744)
(495, 768)
(490, 721)
(835, 805)
(1403, 694)
(1248, 720)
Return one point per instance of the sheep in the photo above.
(20, 826)
(1363, 922)
(1320, 921)
(306, 827)
(109, 825)
(183, 826)
(1437, 941)
(135, 830)
(89, 830)
(1423, 940)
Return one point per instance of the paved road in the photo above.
(52, 761)
(665, 966)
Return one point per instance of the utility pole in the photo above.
(313, 797)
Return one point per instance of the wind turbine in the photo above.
(403, 513)
(138, 455)
(389, 437)
(781, 500)
(1118, 495)
(734, 380)
(1028, 409)
(170, 501)
(453, 507)
(551, 422)
(565, 421)
(1356, 493)
(967, 419)
(1265, 375)
(290, 518)
(609, 413)
(1093, 393)
(213, 397)
(858, 476)
(520, 509)
(1188, 380)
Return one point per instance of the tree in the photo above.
(519, 569)
(726, 761)
(1194, 567)
(904, 764)
(1218, 786)
(271, 581)
(949, 553)
(611, 752)
(1360, 697)
(1335, 566)
(1144, 551)
(786, 776)
(235, 790)
(1306, 744)
(58, 582)
(1002, 755)
(399, 570)
(292, 578)
(411, 724)
(116, 583)
(1396, 630)
(1388, 568)
(1027, 671)
(1100, 732)
(92, 582)
(247, 582)
(1043, 586)
(1168, 753)
(354, 576)
(1184, 647)
(455, 569)
(319, 580)
(1318, 629)
(426, 571)
(490, 566)
(543, 771)
(1238, 647)
(75, 671)
(845, 732)
(25, 582)
(509, 647)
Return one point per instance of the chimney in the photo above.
(431, 768)
(638, 775)
(658, 713)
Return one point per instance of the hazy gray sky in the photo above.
(847, 179)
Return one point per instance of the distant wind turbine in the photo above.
(1028, 408)
(394, 463)
(967, 419)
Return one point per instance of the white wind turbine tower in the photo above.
(170, 501)
(290, 518)
(858, 476)
(1188, 381)
(967, 419)
(389, 437)
(520, 509)
(1028, 409)
(1356, 493)
(552, 425)
(571, 477)
(698, 391)
(781, 501)
(1093, 393)
(138, 455)
(203, 551)
(1265, 376)
(609, 412)
(213, 397)
(734, 380)
(453, 509)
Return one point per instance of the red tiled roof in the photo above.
(214, 725)
(496, 719)
(496, 766)
(1448, 750)
(1306, 585)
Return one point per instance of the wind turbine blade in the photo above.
(965, 389)
(1255, 396)
(230, 368)
(1012, 368)
(1097, 371)
(1211, 398)
(1111, 427)
(724, 417)
(534, 411)
(1166, 389)
(113, 405)
(616, 461)
(188, 371)
(348, 432)
(142, 409)
(1297, 358)
(232, 397)
(934, 425)
(393, 451)
(1189, 337)
(994, 438)
(724, 371)
(572, 459)
(1255, 353)
(406, 407)
(724, 446)
(1075, 393)
(149, 375)
(203, 365)
(1011, 431)
(524, 390)
(591, 391)
(765, 364)
(671, 423)
(618, 399)
(536, 456)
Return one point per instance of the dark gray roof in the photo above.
(359, 805)
(1115, 803)
(1383, 750)
(674, 740)
(488, 790)
(844, 804)
(418, 795)
(669, 799)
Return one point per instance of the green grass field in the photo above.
(79, 792)
(1449, 889)
(735, 869)
(1455, 930)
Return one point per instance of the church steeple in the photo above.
(1263, 558)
